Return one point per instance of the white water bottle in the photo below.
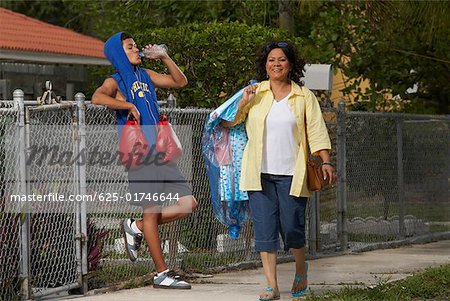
(153, 52)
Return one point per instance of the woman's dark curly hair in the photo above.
(291, 53)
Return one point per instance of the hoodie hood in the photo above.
(116, 55)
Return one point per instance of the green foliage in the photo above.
(64, 13)
(47, 11)
(170, 13)
(393, 48)
(217, 58)
(393, 44)
(103, 18)
(96, 76)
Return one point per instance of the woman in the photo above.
(282, 119)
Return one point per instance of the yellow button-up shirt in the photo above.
(302, 102)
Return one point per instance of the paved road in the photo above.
(361, 269)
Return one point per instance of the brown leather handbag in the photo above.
(314, 174)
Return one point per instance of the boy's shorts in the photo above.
(156, 184)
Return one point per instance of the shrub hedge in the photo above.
(217, 58)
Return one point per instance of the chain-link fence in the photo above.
(322, 207)
(397, 170)
(10, 222)
(198, 243)
(393, 185)
(53, 254)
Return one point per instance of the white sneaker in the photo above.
(132, 239)
(170, 280)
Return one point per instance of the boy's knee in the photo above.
(194, 204)
(190, 203)
(151, 212)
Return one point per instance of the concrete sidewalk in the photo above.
(332, 273)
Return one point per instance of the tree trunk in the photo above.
(286, 19)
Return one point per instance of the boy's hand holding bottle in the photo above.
(154, 52)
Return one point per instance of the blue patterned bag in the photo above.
(222, 150)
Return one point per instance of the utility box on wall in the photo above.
(319, 77)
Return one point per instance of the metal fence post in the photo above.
(171, 101)
(314, 224)
(18, 97)
(400, 184)
(76, 191)
(342, 178)
(81, 168)
(317, 221)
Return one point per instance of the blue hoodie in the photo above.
(135, 84)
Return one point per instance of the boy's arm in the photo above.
(106, 95)
(175, 78)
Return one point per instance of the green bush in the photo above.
(217, 58)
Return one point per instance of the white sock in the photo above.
(135, 228)
(159, 274)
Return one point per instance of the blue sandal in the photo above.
(297, 280)
(270, 295)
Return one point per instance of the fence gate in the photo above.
(54, 251)
(44, 247)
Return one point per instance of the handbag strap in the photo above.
(306, 129)
(310, 155)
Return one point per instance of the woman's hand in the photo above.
(249, 94)
(327, 167)
(247, 97)
(329, 173)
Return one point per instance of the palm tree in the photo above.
(431, 16)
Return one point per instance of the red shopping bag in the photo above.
(167, 141)
(133, 146)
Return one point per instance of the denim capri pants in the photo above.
(275, 212)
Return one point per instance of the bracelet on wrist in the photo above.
(328, 163)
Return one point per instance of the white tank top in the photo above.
(279, 149)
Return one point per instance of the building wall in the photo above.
(66, 80)
(339, 83)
